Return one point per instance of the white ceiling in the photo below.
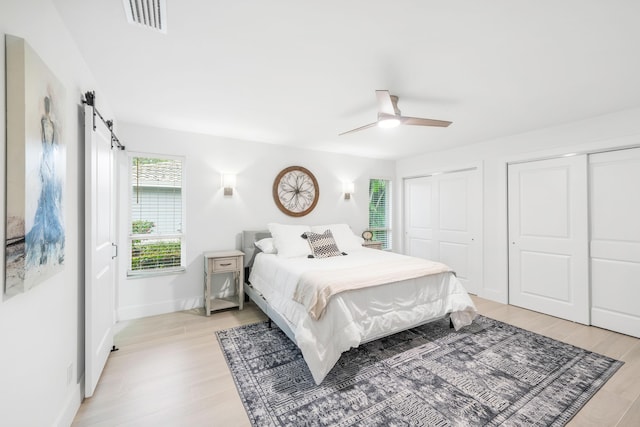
(298, 72)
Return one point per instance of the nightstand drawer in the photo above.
(372, 244)
(224, 264)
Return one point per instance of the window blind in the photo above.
(380, 211)
(156, 214)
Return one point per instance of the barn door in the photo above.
(548, 237)
(99, 249)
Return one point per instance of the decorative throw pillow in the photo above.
(322, 245)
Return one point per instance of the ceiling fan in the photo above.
(389, 115)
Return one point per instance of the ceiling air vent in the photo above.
(148, 13)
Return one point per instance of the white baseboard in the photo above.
(71, 406)
(138, 311)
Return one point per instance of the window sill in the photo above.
(153, 273)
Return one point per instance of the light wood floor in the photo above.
(170, 370)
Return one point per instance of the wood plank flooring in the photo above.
(170, 370)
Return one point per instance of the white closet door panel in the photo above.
(455, 213)
(443, 222)
(617, 295)
(455, 254)
(622, 251)
(615, 188)
(453, 203)
(548, 239)
(547, 244)
(539, 190)
(420, 248)
(545, 275)
(420, 205)
(418, 221)
(615, 240)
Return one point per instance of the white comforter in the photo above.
(354, 317)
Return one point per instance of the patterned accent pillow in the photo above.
(322, 245)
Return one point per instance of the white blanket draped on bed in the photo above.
(353, 317)
(316, 287)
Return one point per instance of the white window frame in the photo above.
(131, 237)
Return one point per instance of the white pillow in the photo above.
(288, 241)
(266, 245)
(343, 235)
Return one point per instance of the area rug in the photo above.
(488, 373)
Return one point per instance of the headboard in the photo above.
(249, 237)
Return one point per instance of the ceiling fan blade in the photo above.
(424, 122)
(359, 129)
(385, 105)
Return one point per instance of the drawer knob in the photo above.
(225, 265)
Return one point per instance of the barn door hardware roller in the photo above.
(90, 100)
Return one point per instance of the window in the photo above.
(380, 211)
(157, 209)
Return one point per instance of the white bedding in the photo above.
(354, 317)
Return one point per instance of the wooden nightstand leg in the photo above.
(239, 287)
(207, 293)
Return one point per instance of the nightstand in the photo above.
(219, 262)
(372, 244)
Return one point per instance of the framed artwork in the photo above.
(36, 165)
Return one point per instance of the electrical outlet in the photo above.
(69, 373)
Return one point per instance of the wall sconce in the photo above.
(348, 189)
(228, 183)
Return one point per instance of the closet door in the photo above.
(459, 206)
(615, 240)
(548, 237)
(443, 217)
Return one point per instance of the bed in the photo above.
(284, 282)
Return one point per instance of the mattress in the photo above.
(358, 316)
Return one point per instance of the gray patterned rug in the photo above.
(489, 373)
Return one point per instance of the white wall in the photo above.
(41, 331)
(214, 222)
(613, 130)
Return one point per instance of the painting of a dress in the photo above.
(35, 233)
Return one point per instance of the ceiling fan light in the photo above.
(388, 123)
